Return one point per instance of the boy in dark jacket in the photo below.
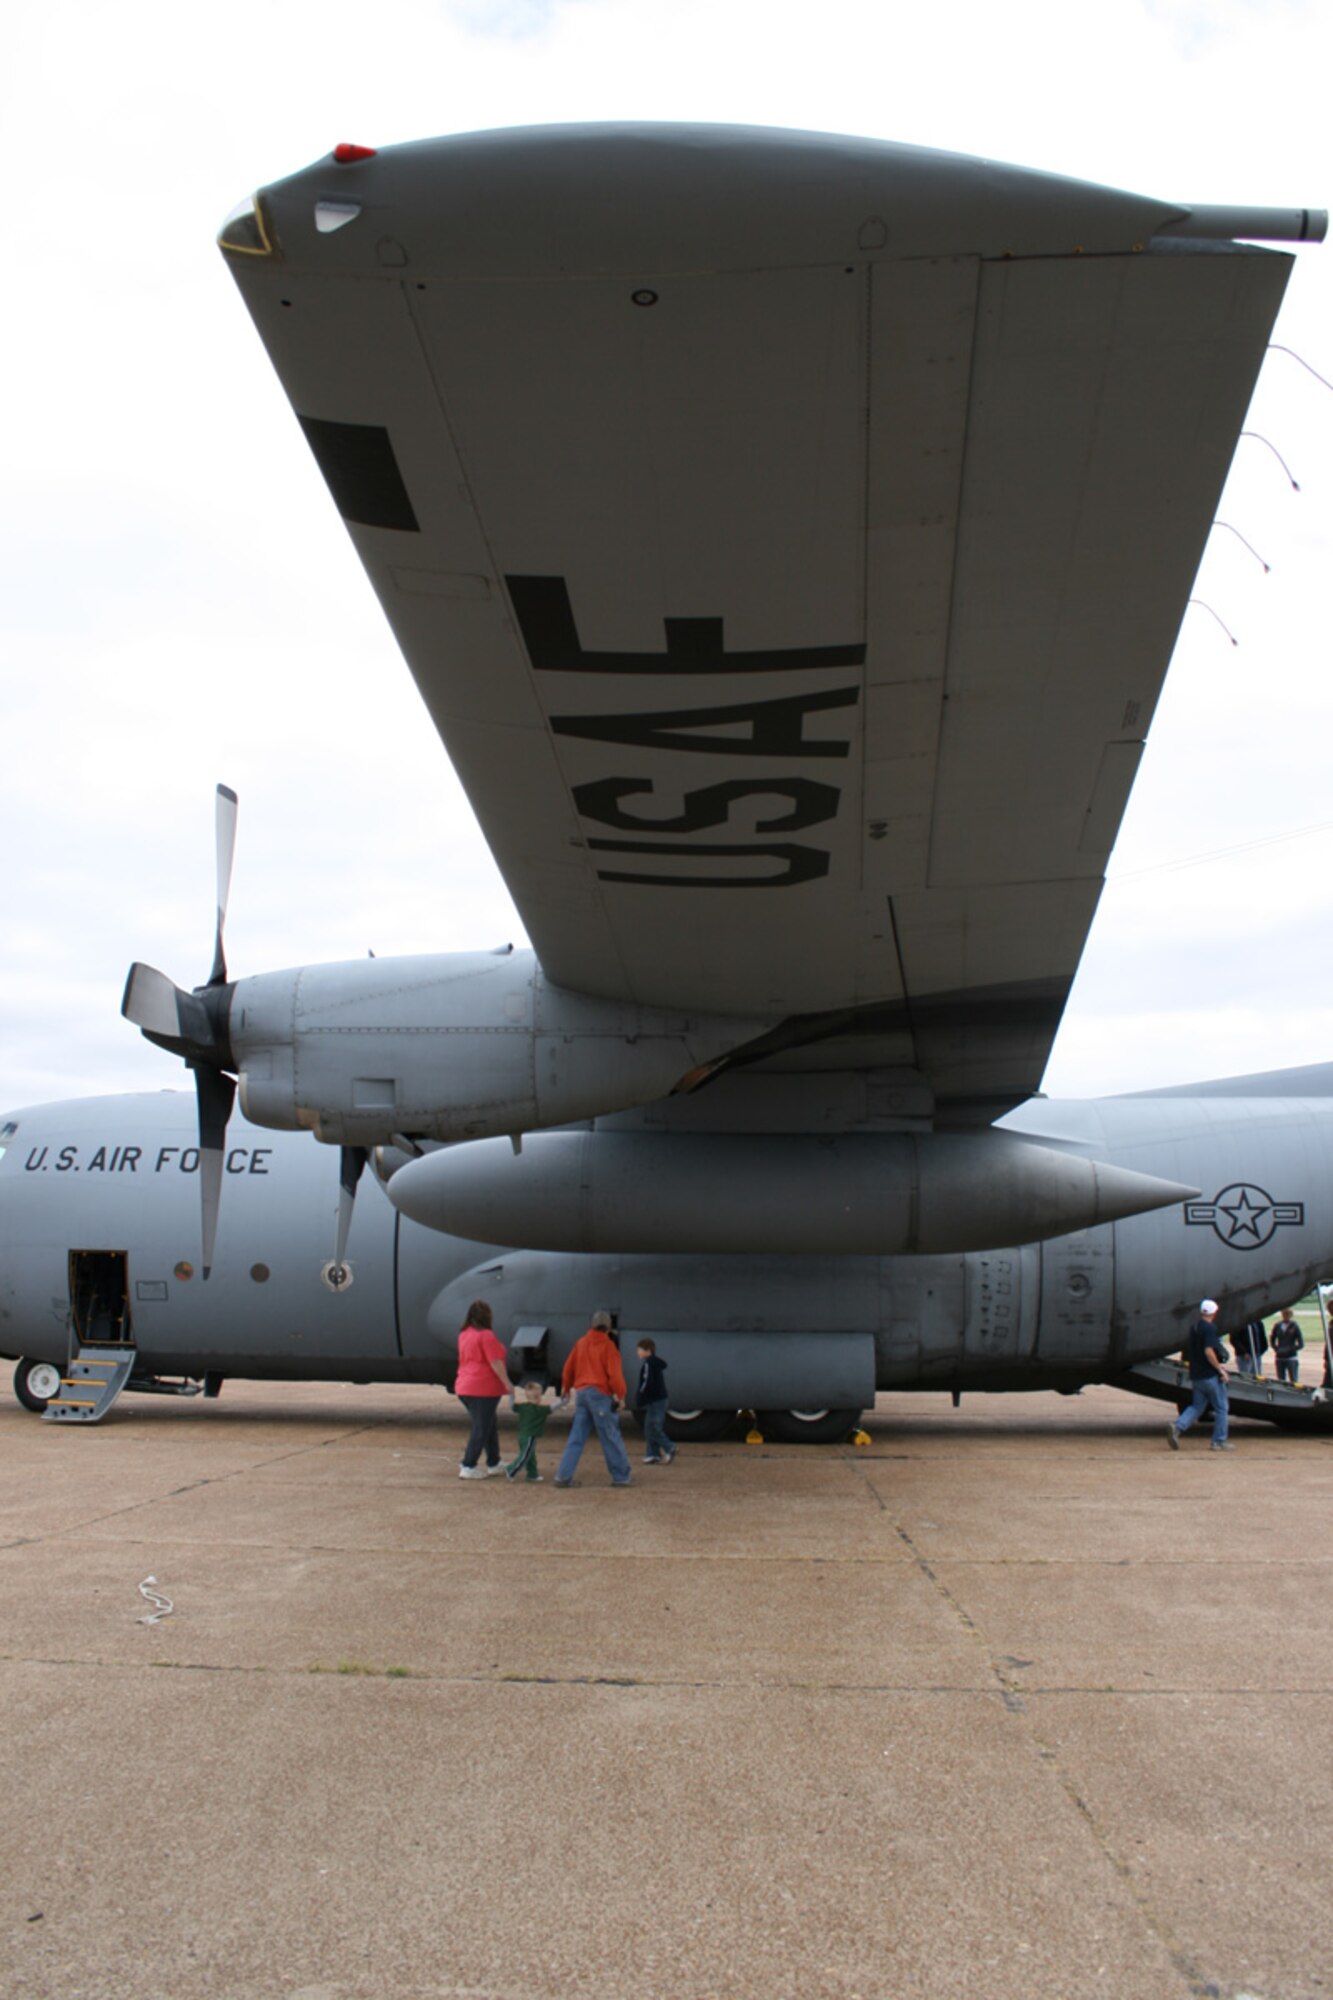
(650, 1400)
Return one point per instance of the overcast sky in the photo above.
(181, 604)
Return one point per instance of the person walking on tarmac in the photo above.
(1208, 1380)
(594, 1373)
(1288, 1340)
(481, 1381)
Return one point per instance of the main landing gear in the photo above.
(807, 1426)
(778, 1426)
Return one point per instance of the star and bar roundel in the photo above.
(1243, 1215)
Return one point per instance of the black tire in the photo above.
(29, 1398)
(698, 1426)
(807, 1426)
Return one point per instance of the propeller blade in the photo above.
(150, 1001)
(216, 1093)
(225, 843)
(351, 1165)
(195, 1026)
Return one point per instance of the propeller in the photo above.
(224, 843)
(351, 1166)
(195, 1026)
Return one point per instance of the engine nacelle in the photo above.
(879, 1194)
(456, 1046)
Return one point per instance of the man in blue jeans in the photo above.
(1208, 1380)
(594, 1373)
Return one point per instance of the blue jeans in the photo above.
(658, 1444)
(1209, 1394)
(483, 1436)
(1289, 1368)
(593, 1411)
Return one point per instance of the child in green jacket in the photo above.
(532, 1410)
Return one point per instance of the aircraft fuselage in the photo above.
(119, 1175)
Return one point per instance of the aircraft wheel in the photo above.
(36, 1383)
(807, 1426)
(698, 1426)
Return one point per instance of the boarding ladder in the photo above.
(91, 1383)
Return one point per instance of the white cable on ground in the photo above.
(164, 1605)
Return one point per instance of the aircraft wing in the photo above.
(788, 536)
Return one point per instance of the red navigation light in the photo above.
(345, 154)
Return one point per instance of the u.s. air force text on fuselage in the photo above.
(110, 1158)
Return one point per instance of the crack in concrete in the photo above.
(193, 1486)
(1015, 1697)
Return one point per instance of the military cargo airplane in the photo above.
(788, 536)
(101, 1287)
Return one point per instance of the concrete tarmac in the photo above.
(1014, 1702)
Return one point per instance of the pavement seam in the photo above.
(481, 1552)
(498, 1677)
(1012, 1695)
(1024, 1692)
(190, 1486)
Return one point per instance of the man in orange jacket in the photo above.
(594, 1372)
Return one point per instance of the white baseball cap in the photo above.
(1208, 1306)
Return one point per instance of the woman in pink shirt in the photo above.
(481, 1381)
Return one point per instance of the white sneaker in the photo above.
(489, 1471)
(471, 1472)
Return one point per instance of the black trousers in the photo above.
(483, 1436)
